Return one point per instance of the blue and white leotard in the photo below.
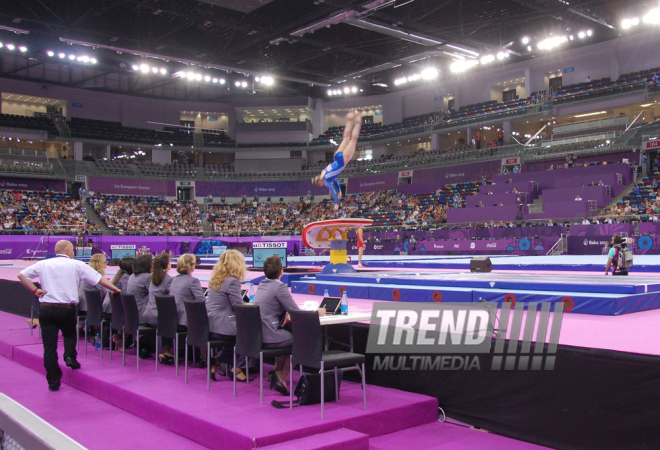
(332, 171)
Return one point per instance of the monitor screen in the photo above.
(120, 253)
(263, 250)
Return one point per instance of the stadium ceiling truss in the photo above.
(305, 45)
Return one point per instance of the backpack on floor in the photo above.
(308, 389)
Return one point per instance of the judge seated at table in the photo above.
(275, 302)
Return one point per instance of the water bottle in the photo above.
(97, 342)
(344, 304)
(251, 293)
(325, 295)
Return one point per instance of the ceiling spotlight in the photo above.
(135, 67)
(525, 40)
(163, 71)
(215, 80)
(10, 47)
(61, 55)
(198, 77)
(22, 49)
(244, 84)
(93, 60)
(84, 59)
(154, 69)
(237, 83)
(222, 81)
(190, 76)
(487, 59)
(429, 73)
(257, 79)
(582, 35)
(144, 68)
(353, 89)
(330, 91)
(346, 90)
(207, 78)
(50, 53)
(72, 57)
(502, 55)
(590, 32)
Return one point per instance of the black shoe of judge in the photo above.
(54, 387)
(72, 362)
(277, 384)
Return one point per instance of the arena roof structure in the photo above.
(292, 47)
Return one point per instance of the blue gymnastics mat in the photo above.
(586, 294)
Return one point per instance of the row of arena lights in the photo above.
(545, 44)
(12, 47)
(72, 57)
(192, 76)
(650, 18)
(429, 73)
(346, 90)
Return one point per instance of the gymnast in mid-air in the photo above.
(343, 156)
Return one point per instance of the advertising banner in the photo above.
(31, 184)
(373, 183)
(260, 188)
(131, 186)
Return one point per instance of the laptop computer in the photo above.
(332, 305)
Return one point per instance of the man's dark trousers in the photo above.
(52, 320)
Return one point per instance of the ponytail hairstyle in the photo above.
(159, 268)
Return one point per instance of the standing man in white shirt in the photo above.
(60, 279)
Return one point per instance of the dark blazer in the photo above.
(151, 312)
(138, 285)
(220, 307)
(185, 287)
(274, 298)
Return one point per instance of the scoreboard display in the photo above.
(264, 250)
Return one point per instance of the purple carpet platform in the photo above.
(106, 405)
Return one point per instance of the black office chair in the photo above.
(117, 317)
(198, 335)
(132, 326)
(80, 315)
(308, 352)
(34, 314)
(95, 316)
(249, 342)
(168, 322)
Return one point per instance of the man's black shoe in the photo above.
(72, 362)
(145, 354)
(54, 387)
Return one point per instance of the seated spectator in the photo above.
(225, 292)
(160, 282)
(138, 286)
(186, 287)
(275, 301)
(578, 198)
(98, 263)
(585, 221)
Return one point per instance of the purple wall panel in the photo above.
(374, 183)
(457, 174)
(420, 188)
(503, 187)
(604, 229)
(494, 199)
(31, 184)
(597, 193)
(131, 186)
(481, 215)
(261, 188)
(547, 178)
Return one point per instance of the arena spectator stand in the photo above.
(147, 215)
(168, 170)
(38, 122)
(43, 213)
